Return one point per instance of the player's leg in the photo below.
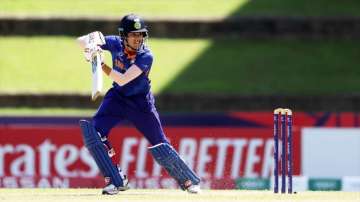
(168, 158)
(166, 155)
(95, 138)
(149, 125)
(98, 151)
(108, 115)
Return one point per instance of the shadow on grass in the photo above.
(270, 66)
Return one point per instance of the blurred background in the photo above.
(220, 69)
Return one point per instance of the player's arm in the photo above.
(122, 79)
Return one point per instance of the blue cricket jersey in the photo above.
(132, 101)
(143, 59)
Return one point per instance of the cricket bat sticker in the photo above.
(97, 80)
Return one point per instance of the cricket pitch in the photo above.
(169, 195)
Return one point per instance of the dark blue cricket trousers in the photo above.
(138, 109)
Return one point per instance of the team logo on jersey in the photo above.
(137, 23)
(119, 64)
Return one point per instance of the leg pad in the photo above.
(166, 156)
(97, 149)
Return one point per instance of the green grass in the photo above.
(56, 64)
(146, 8)
(159, 195)
(182, 8)
(273, 67)
(300, 8)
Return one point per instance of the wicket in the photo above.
(286, 163)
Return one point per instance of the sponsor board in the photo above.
(46, 156)
(219, 147)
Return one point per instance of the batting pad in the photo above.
(96, 148)
(167, 157)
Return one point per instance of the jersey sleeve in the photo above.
(144, 61)
(110, 43)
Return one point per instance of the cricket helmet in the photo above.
(132, 23)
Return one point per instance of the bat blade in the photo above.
(97, 80)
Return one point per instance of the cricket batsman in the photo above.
(129, 98)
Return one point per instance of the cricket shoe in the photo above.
(111, 189)
(192, 188)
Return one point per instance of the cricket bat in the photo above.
(95, 38)
(97, 79)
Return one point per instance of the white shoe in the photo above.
(194, 189)
(110, 189)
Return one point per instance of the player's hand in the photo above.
(91, 44)
(91, 50)
(91, 38)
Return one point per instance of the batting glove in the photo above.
(91, 50)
